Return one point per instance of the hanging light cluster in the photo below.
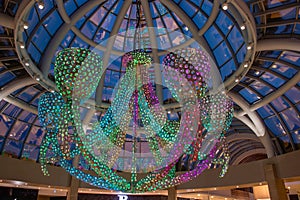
(199, 134)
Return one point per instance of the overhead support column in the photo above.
(254, 124)
(15, 85)
(275, 184)
(278, 44)
(154, 47)
(172, 193)
(74, 185)
(7, 21)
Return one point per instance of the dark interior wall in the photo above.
(17, 193)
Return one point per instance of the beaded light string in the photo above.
(186, 77)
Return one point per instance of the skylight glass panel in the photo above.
(207, 6)
(291, 57)
(101, 37)
(6, 78)
(272, 79)
(249, 95)
(53, 22)
(35, 136)
(78, 42)
(30, 152)
(188, 8)
(19, 131)
(199, 19)
(284, 70)
(5, 124)
(28, 94)
(12, 111)
(240, 56)
(34, 52)
(235, 38)
(275, 126)
(224, 22)
(261, 88)
(68, 38)
(109, 22)
(265, 111)
(27, 116)
(70, 7)
(32, 20)
(98, 16)
(12, 147)
(153, 10)
(280, 104)
(228, 69)
(41, 39)
(89, 29)
(293, 95)
(222, 53)
(213, 37)
(291, 119)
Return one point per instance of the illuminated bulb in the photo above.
(169, 112)
(41, 5)
(198, 195)
(225, 6)
(26, 25)
(260, 183)
(243, 27)
(37, 78)
(52, 91)
(249, 47)
(274, 66)
(236, 80)
(257, 73)
(186, 28)
(27, 64)
(246, 65)
(22, 45)
(212, 197)
(237, 186)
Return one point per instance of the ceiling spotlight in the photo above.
(246, 65)
(22, 45)
(274, 66)
(52, 91)
(243, 27)
(249, 47)
(37, 79)
(41, 4)
(237, 80)
(26, 64)
(25, 25)
(257, 73)
(224, 6)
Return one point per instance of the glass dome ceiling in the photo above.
(265, 91)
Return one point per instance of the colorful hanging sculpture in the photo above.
(200, 132)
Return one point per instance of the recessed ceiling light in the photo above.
(25, 25)
(22, 45)
(257, 73)
(246, 65)
(249, 47)
(243, 27)
(41, 5)
(236, 80)
(274, 66)
(224, 6)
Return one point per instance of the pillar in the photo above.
(275, 184)
(74, 185)
(172, 193)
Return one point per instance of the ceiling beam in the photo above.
(7, 21)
